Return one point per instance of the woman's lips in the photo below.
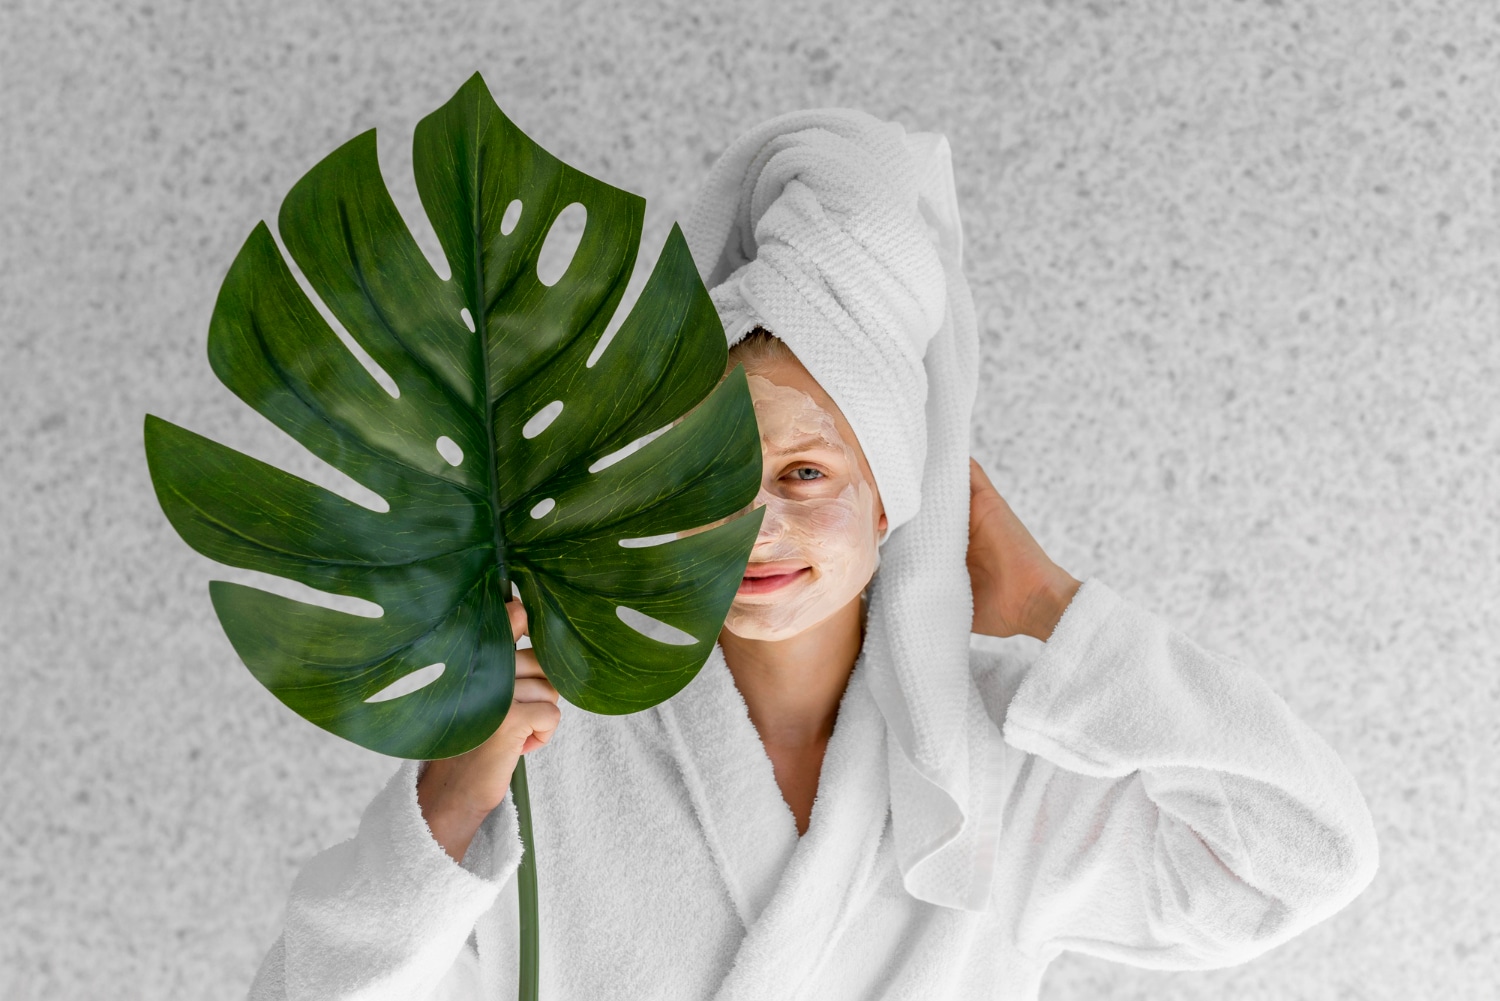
(773, 582)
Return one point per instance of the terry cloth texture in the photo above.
(840, 234)
(1162, 807)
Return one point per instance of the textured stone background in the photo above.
(1235, 269)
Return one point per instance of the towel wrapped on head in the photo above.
(840, 234)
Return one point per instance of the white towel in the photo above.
(840, 234)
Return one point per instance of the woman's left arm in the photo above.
(1185, 817)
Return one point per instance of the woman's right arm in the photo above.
(387, 914)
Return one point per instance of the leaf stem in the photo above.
(526, 884)
(480, 316)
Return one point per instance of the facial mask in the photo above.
(825, 522)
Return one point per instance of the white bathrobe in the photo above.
(1164, 808)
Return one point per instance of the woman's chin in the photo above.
(752, 630)
(769, 621)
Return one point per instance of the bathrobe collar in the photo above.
(791, 893)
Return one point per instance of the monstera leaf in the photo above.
(494, 456)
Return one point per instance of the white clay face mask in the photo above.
(819, 523)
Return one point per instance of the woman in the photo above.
(848, 801)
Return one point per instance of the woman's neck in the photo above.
(793, 686)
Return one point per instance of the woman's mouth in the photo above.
(756, 581)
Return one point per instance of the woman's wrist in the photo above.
(453, 832)
(451, 818)
(442, 789)
(1050, 604)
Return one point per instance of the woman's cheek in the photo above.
(836, 535)
(833, 526)
(843, 529)
(816, 526)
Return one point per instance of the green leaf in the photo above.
(441, 560)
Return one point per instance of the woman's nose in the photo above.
(773, 527)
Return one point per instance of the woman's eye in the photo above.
(816, 473)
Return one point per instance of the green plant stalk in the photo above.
(526, 884)
(530, 933)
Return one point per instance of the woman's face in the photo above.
(817, 547)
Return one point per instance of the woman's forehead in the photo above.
(790, 405)
(789, 416)
(791, 374)
(777, 378)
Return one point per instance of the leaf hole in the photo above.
(270, 444)
(646, 541)
(511, 217)
(543, 507)
(362, 495)
(377, 373)
(418, 679)
(295, 590)
(658, 220)
(370, 365)
(449, 450)
(336, 481)
(562, 241)
(468, 318)
(635, 446)
(392, 148)
(653, 628)
(542, 419)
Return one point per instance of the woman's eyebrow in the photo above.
(804, 445)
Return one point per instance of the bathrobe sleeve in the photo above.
(388, 913)
(1177, 815)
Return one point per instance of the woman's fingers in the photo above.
(535, 690)
(531, 684)
(517, 612)
(527, 666)
(979, 480)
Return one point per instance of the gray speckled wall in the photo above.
(1235, 267)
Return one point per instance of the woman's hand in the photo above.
(456, 794)
(1017, 588)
